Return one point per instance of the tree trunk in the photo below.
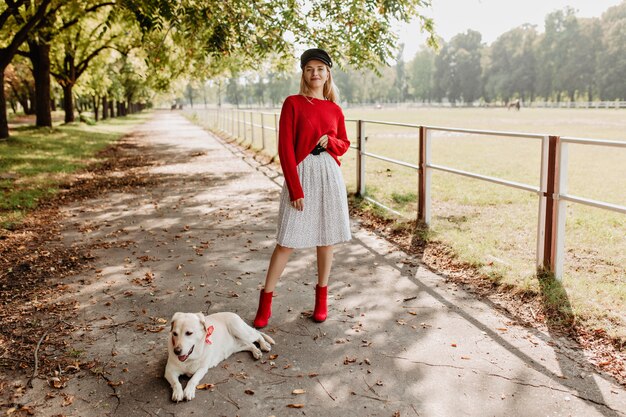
(4, 123)
(22, 99)
(68, 103)
(105, 107)
(113, 107)
(95, 105)
(40, 58)
(30, 102)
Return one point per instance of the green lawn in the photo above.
(492, 226)
(34, 161)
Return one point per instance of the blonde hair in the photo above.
(331, 92)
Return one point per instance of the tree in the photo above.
(233, 90)
(348, 83)
(255, 30)
(400, 84)
(77, 47)
(588, 55)
(56, 20)
(279, 85)
(21, 87)
(557, 58)
(18, 18)
(612, 59)
(96, 82)
(421, 72)
(512, 64)
(458, 69)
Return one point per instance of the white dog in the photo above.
(198, 343)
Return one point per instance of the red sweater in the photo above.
(303, 121)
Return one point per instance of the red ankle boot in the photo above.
(264, 312)
(321, 312)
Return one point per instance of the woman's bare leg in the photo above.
(278, 261)
(324, 263)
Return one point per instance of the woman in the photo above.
(313, 206)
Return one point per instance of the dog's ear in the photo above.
(202, 320)
(173, 320)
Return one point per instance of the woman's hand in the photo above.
(323, 142)
(298, 204)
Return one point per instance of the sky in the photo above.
(491, 17)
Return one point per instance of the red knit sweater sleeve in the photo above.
(338, 145)
(287, 150)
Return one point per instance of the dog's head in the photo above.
(187, 333)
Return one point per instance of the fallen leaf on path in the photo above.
(249, 392)
(295, 405)
(56, 382)
(298, 391)
(67, 400)
(205, 386)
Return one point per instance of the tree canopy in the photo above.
(576, 59)
(190, 39)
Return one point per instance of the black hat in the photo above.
(315, 53)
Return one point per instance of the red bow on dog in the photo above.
(209, 331)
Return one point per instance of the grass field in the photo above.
(34, 161)
(494, 227)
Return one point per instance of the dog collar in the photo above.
(209, 331)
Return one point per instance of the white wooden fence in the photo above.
(551, 192)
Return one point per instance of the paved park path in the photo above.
(398, 341)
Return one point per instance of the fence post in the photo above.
(560, 209)
(556, 185)
(252, 127)
(424, 177)
(360, 159)
(542, 212)
(245, 129)
(276, 130)
(238, 113)
(262, 131)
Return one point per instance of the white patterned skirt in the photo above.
(324, 220)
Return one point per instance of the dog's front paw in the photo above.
(256, 353)
(177, 394)
(266, 347)
(190, 393)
